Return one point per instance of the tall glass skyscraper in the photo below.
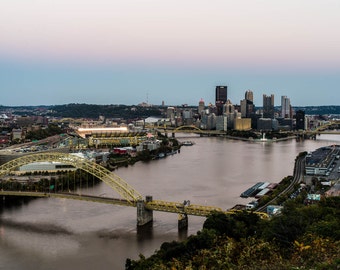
(221, 98)
(268, 106)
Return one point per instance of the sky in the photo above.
(176, 52)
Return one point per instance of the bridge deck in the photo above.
(155, 205)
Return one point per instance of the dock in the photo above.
(251, 192)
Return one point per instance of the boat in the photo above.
(187, 143)
(250, 192)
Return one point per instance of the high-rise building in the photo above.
(285, 107)
(300, 120)
(229, 111)
(221, 98)
(268, 106)
(243, 104)
(249, 95)
(247, 104)
(201, 106)
(170, 113)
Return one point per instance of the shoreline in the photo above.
(260, 140)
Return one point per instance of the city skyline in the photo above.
(128, 52)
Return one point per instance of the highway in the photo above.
(299, 170)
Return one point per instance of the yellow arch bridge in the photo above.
(190, 129)
(129, 196)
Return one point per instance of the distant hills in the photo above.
(319, 110)
(128, 111)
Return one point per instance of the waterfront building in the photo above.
(242, 124)
(222, 122)
(87, 132)
(254, 119)
(208, 121)
(221, 98)
(285, 123)
(187, 117)
(267, 124)
(268, 106)
(151, 145)
(320, 161)
(301, 120)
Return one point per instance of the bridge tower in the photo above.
(144, 215)
(182, 221)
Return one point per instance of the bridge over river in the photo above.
(128, 195)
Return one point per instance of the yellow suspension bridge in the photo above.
(129, 196)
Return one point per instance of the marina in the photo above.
(258, 190)
(251, 192)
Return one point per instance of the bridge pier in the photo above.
(144, 216)
(173, 134)
(182, 221)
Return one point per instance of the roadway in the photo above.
(155, 205)
(299, 170)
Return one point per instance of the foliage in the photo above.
(302, 237)
(110, 111)
(243, 134)
(240, 225)
(40, 134)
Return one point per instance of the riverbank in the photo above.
(260, 140)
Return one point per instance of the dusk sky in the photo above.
(133, 51)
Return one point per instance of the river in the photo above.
(65, 234)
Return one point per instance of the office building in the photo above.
(221, 98)
(285, 107)
(267, 124)
(268, 106)
(201, 107)
(229, 111)
(300, 120)
(249, 95)
(247, 104)
(222, 122)
(242, 124)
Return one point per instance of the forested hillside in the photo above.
(302, 237)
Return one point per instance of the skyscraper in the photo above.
(247, 104)
(201, 106)
(285, 107)
(300, 120)
(249, 95)
(221, 98)
(268, 106)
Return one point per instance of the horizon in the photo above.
(151, 105)
(128, 52)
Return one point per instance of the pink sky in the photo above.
(177, 51)
(263, 33)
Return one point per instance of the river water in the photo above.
(65, 234)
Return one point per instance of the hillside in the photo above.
(302, 237)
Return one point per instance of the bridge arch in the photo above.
(108, 177)
(188, 128)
